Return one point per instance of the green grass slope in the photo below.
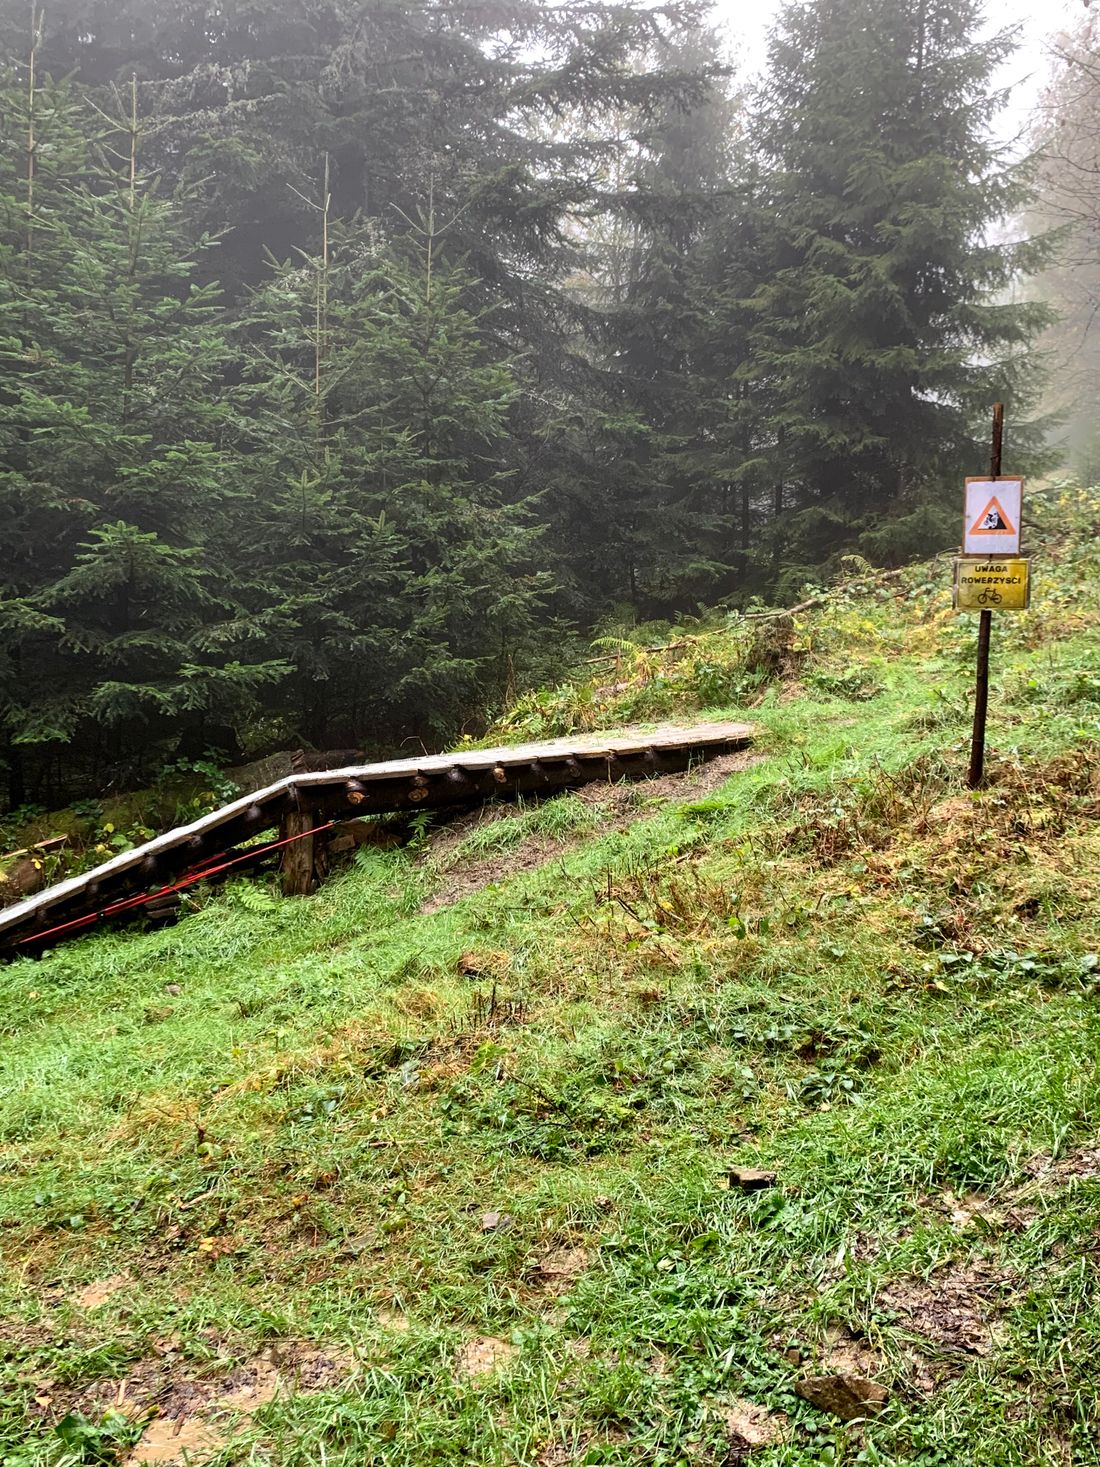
(434, 1167)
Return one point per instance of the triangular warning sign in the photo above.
(992, 520)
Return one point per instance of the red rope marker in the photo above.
(190, 878)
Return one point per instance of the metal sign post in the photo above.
(976, 772)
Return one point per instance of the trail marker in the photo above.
(991, 516)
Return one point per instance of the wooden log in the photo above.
(297, 869)
(165, 908)
(54, 842)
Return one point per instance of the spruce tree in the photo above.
(882, 334)
(652, 536)
(399, 579)
(1068, 203)
(678, 518)
(42, 156)
(112, 471)
(508, 114)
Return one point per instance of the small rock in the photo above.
(848, 1396)
(173, 988)
(748, 1179)
(602, 1203)
(495, 1222)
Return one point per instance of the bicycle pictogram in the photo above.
(990, 597)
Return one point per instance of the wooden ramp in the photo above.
(303, 808)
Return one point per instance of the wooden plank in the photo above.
(390, 785)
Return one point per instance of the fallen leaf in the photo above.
(749, 1179)
(219, 1246)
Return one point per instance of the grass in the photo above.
(286, 1125)
(564, 818)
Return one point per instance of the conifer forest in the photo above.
(359, 358)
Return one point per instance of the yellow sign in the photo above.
(992, 585)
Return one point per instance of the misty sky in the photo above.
(747, 22)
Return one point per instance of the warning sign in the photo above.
(991, 522)
(992, 585)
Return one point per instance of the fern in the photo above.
(858, 563)
(253, 897)
(618, 645)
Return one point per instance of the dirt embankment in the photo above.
(622, 805)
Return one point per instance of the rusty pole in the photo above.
(976, 772)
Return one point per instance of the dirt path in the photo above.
(622, 805)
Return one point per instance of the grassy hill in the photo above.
(439, 1165)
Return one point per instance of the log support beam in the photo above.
(298, 867)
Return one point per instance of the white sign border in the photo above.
(992, 546)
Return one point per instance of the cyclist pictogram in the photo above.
(993, 520)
